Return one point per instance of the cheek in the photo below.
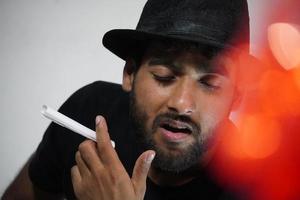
(149, 96)
(220, 107)
(213, 111)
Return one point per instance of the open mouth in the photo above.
(176, 127)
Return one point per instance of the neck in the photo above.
(163, 178)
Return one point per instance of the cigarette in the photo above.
(69, 123)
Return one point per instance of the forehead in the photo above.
(167, 47)
(205, 58)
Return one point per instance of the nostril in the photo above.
(184, 112)
(173, 110)
(188, 112)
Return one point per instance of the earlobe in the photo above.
(128, 75)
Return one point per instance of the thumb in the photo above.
(140, 172)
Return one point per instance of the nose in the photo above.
(182, 99)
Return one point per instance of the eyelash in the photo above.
(209, 86)
(168, 79)
(163, 79)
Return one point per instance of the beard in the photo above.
(172, 162)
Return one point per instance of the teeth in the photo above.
(176, 129)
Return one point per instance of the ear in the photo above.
(237, 99)
(128, 75)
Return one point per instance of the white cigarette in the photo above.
(69, 123)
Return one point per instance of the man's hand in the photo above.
(99, 174)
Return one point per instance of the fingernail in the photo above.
(150, 157)
(98, 120)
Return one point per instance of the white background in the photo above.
(49, 49)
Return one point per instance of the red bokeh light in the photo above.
(261, 160)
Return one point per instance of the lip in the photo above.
(173, 137)
(177, 124)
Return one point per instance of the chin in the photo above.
(177, 158)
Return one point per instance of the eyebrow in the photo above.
(205, 67)
(216, 68)
(166, 62)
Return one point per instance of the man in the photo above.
(179, 86)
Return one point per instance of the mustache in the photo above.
(169, 117)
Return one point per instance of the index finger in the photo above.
(106, 151)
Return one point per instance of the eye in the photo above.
(164, 79)
(211, 82)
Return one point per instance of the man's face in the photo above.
(178, 100)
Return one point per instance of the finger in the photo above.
(106, 151)
(89, 157)
(102, 136)
(76, 178)
(140, 172)
(83, 169)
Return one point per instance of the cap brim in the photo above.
(127, 42)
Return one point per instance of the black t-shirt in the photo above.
(55, 156)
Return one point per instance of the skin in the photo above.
(99, 174)
(185, 83)
(159, 88)
(188, 84)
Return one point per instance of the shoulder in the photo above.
(106, 87)
(95, 90)
(93, 99)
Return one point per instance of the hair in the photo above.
(134, 61)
